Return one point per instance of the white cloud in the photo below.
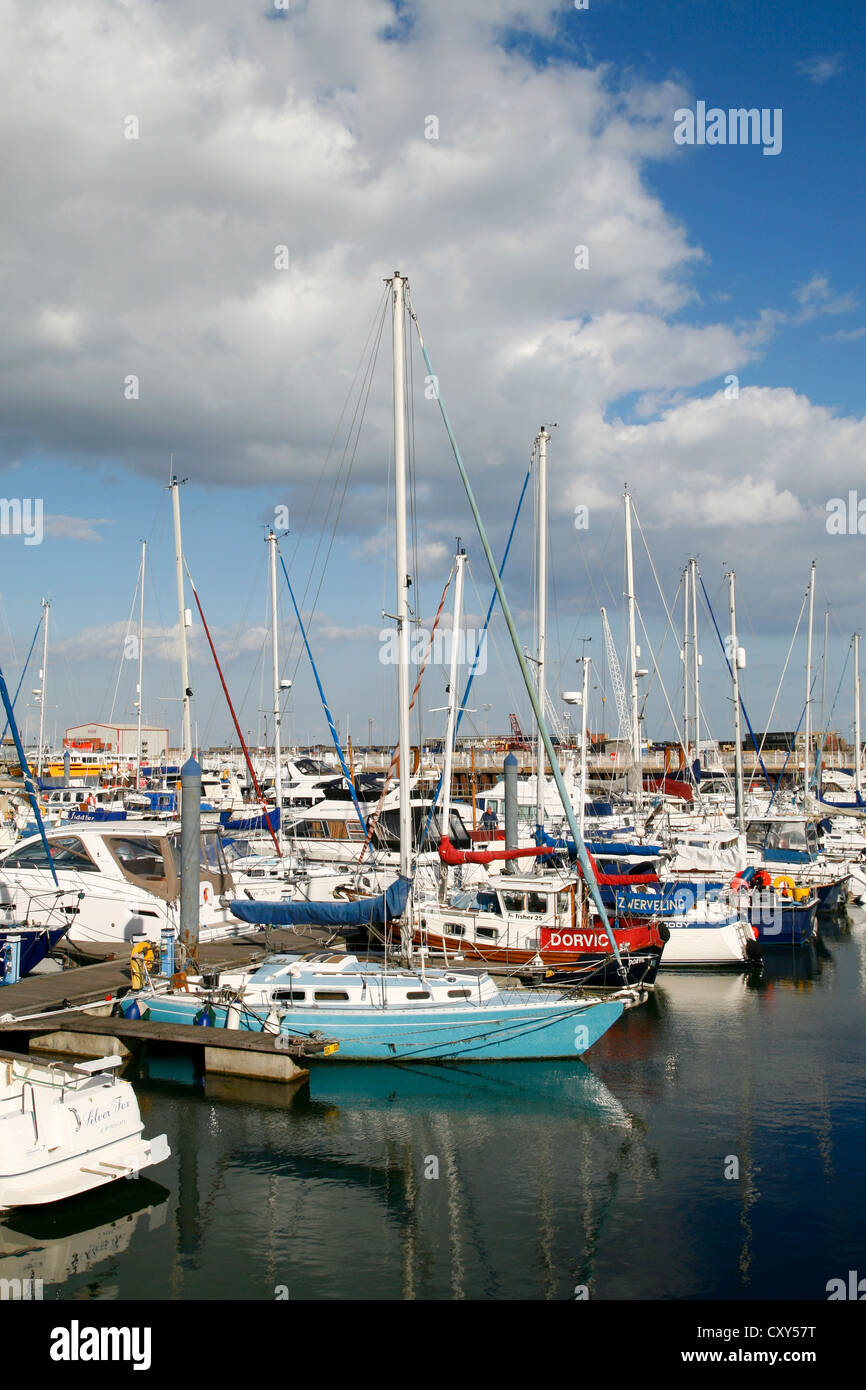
(822, 67)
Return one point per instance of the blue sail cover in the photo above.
(599, 847)
(366, 912)
(256, 820)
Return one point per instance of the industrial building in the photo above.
(120, 739)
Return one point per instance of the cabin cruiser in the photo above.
(66, 1129)
(115, 882)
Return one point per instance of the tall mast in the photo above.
(738, 740)
(686, 730)
(632, 650)
(452, 706)
(584, 740)
(140, 663)
(541, 653)
(693, 566)
(398, 283)
(808, 740)
(278, 757)
(181, 609)
(46, 609)
(857, 774)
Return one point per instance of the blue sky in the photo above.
(156, 257)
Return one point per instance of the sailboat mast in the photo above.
(278, 757)
(584, 740)
(181, 609)
(808, 726)
(857, 773)
(632, 650)
(738, 739)
(452, 706)
(541, 531)
(687, 572)
(398, 283)
(140, 662)
(693, 567)
(46, 609)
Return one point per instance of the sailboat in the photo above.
(374, 1011)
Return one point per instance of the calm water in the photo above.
(610, 1175)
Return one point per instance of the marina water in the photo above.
(713, 1147)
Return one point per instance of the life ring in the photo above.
(783, 882)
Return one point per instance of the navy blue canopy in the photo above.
(365, 912)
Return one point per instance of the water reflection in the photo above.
(56, 1243)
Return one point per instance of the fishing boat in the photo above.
(67, 1129)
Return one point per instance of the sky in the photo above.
(202, 201)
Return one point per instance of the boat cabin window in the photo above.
(293, 996)
(514, 902)
(563, 902)
(756, 834)
(454, 928)
(140, 856)
(417, 994)
(537, 902)
(459, 994)
(68, 853)
(489, 933)
(329, 995)
(787, 835)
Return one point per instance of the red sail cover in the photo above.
(449, 855)
(617, 880)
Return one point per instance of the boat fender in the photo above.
(133, 1011)
(785, 885)
(753, 951)
(664, 932)
(801, 895)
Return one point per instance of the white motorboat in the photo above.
(118, 880)
(65, 1129)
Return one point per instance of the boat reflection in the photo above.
(54, 1243)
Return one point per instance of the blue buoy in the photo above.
(133, 1011)
(205, 1017)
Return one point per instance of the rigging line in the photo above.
(657, 673)
(23, 674)
(369, 382)
(820, 753)
(524, 670)
(378, 312)
(241, 627)
(346, 773)
(373, 821)
(478, 646)
(653, 568)
(731, 673)
(781, 681)
(354, 429)
(250, 767)
(123, 648)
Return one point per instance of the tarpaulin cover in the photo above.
(365, 912)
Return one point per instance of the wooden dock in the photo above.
(224, 1051)
(44, 1013)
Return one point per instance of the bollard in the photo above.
(12, 972)
(166, 952)
(510, 776)
(190, 854)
